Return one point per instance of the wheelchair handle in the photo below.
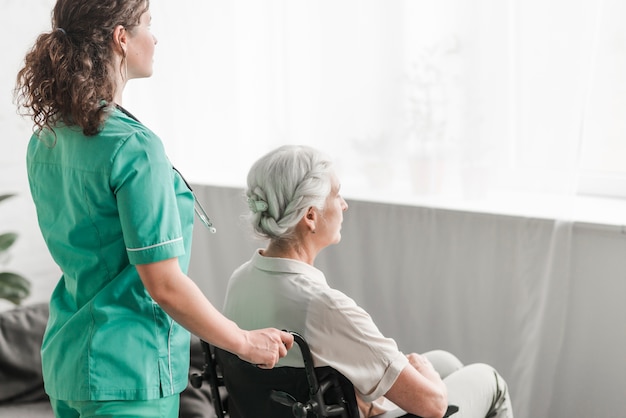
(308, 367)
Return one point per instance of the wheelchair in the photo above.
(281, 392)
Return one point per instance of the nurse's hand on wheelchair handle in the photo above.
(266, 346)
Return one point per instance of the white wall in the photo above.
(19, 25)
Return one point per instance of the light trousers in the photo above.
(477, 389)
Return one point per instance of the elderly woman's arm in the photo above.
(419, 389)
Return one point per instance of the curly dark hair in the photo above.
(68, 74)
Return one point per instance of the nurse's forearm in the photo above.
(183, 300)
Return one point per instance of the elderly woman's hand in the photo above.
(424, 366)
(266, 346)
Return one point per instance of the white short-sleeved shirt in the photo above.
(289, 294)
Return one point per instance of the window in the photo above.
(412, 98)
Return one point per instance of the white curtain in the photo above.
(413, 98)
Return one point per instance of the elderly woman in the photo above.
(295, 202)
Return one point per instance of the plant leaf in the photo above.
(13, 287)
(6, 240)
(5, 196)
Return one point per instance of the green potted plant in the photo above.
(13, 287)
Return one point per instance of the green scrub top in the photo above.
(104, 204)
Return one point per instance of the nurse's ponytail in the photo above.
(68, 75)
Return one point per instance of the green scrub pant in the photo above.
(154, 408)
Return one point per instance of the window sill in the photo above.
(579, 209)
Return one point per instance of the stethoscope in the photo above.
(197, 206)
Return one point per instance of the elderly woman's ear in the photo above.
(310, 219)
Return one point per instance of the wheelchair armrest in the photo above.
(452, 409)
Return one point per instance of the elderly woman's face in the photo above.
(329, 227)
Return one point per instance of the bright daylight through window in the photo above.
(437, 99)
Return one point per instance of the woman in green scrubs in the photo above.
(117, 219)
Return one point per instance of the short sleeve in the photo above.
(142, 179)
(367, 358)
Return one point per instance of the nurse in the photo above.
(117, 219)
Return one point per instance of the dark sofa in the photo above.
(21, 382)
